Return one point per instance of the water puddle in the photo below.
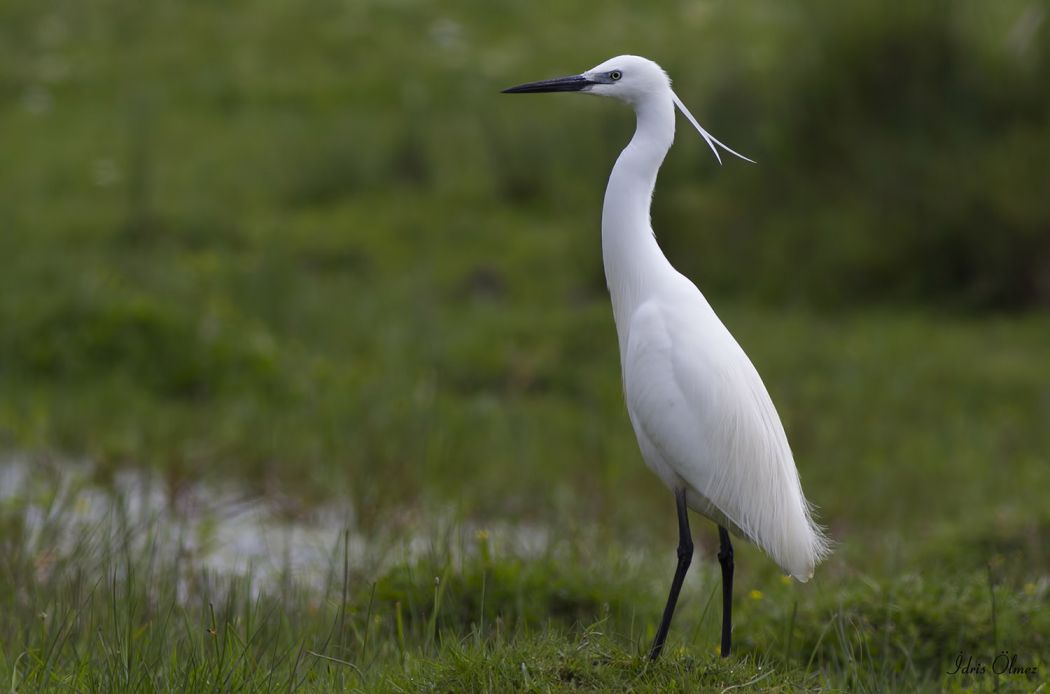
(220, 529)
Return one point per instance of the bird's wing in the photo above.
(699, 401)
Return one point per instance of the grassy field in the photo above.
(265, 425)
(920, 438)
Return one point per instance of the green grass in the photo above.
(305, 251)
(112, 605)
(919, 437)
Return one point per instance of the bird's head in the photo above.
(628, 78)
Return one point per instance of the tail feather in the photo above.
(758, 489)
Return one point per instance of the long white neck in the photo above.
(633, 261)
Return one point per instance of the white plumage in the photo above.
(704, 420)
(701, 413)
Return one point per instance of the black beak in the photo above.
(574, 83)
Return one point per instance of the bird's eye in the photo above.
(615, 75)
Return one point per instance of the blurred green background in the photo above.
(321, 221)
(309, 247)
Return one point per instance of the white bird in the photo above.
(703, 418)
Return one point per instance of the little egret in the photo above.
(703, 418)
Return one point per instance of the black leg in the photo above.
(725, 558)
(685, 555)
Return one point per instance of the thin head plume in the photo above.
(708, 137)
